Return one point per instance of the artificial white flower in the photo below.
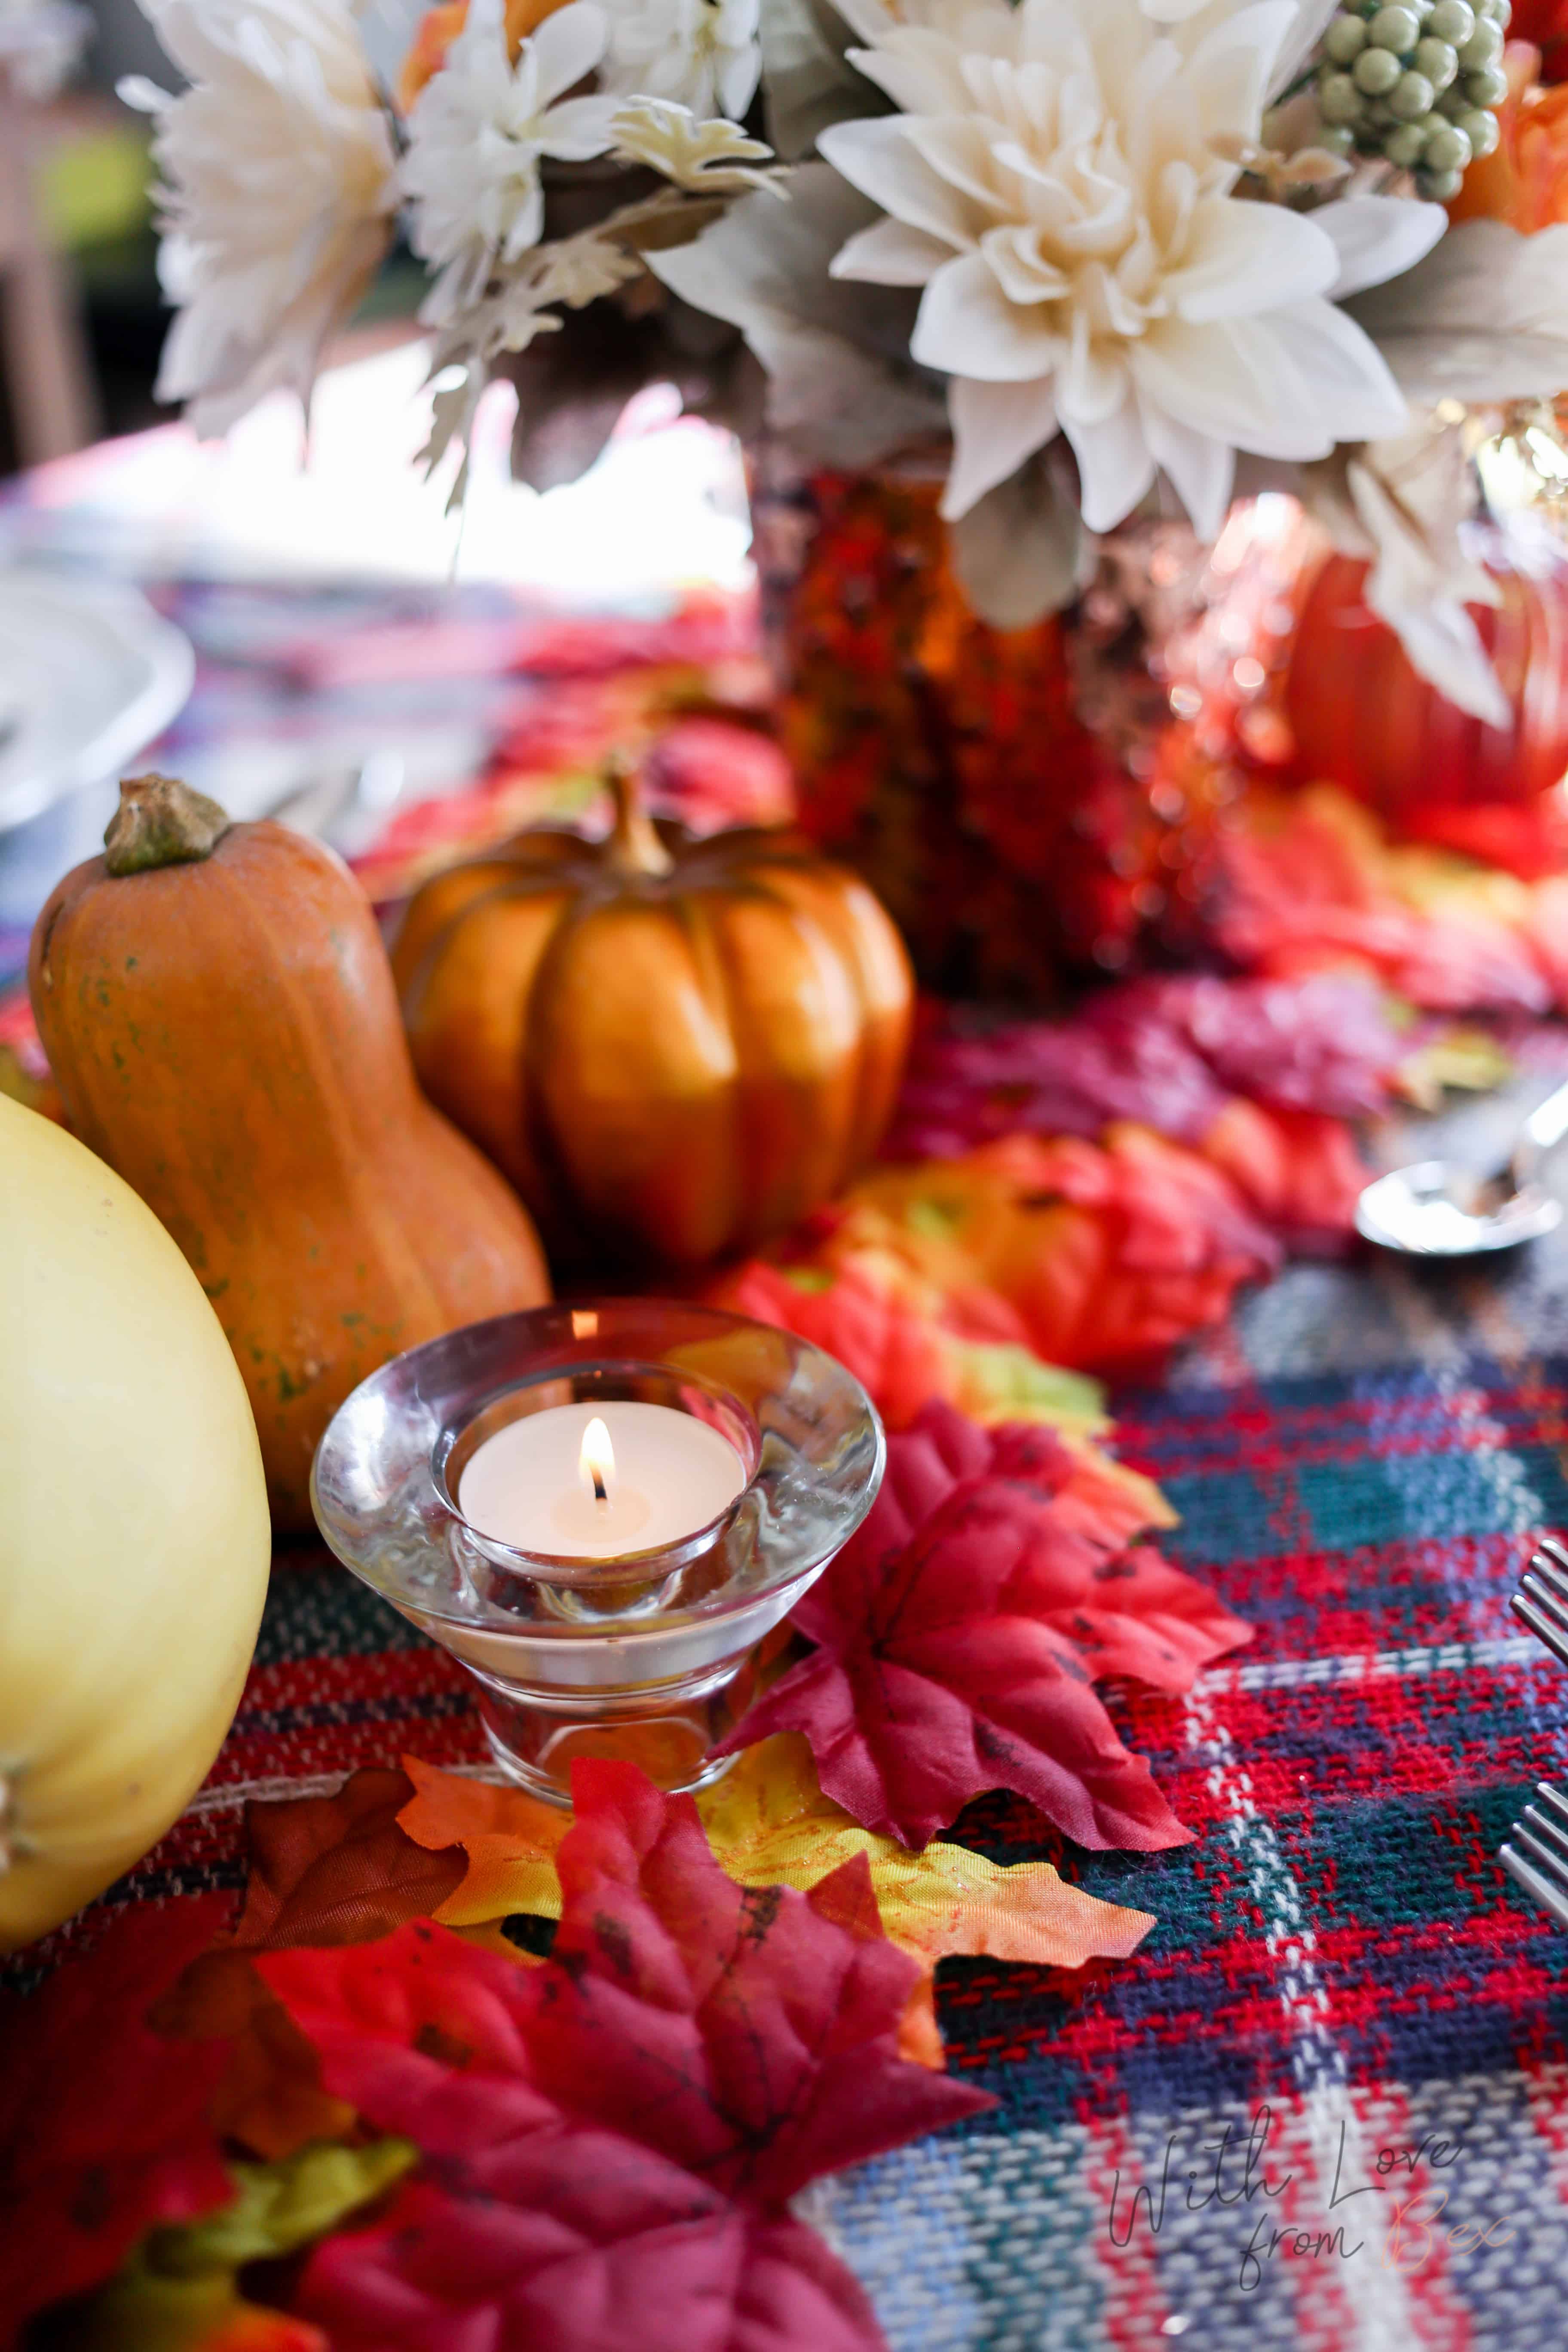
(1052, 185)
(477, 134)
(703, 54)
(277, 197)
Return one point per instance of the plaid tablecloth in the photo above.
(1327, 2104)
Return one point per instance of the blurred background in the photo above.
(77, 179)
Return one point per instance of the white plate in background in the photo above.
(89, 675)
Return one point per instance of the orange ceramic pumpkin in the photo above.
(672, 1047)
(1362, 719)
(217, 1007)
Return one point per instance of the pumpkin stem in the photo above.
(634, 846)
(161, 821)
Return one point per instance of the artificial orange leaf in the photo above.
(770, 1825)
(510, 1840)
(1078, 1253)
(338, 1870)
(1300, 1170)
(270, 2096)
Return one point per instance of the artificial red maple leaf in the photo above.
(958, 1636)
(103, 2126)
(610, 2138)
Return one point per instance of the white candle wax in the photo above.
(526, 1486)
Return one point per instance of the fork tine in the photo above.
(1544, 1628)
(1554, 1798)
(1539, 1849)
(1548, 1825)
(1552, 1605)
(1542, 1890)
(1544, 1568)
(1555, 1550)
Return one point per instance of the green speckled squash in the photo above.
(218, 1011)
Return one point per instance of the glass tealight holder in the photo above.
(650, 1655)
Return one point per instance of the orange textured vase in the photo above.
(947, 759)
(674, 1046)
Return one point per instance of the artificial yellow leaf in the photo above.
(510, 1840)
(770, 1825)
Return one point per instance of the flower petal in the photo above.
(578, 128)
(1341, 367)
(877, 158)
(1199, 468)
(966, 326)
(567, 46)
(1378, 237)
(890, 253)
(1234, 63)
(1114, 465)
(994, 427)
(916, 81)
(1248, 258)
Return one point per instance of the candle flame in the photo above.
(597, 1460)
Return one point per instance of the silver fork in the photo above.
(1537, 1856)
(1542, 1600)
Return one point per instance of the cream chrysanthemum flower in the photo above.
(1056, 181)
(703, 54)
(277, 198)
(479, 134)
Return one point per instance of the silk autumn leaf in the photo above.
(769, 1824)
(1084, 1254)
(958, 1634)
(1169, 1053)
(612, 2138)
(103, 2126)
(1310, 883)
(337, 1869)
(179, 2292)
(269, 2097)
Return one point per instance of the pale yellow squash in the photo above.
(134, 1527)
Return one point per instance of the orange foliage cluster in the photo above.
(1524, 181)
(439, 28)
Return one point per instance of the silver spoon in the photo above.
(1436, 1209)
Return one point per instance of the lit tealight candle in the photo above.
(596, 1482)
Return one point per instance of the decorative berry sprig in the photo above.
(1418, 82)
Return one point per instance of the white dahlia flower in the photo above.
(478, 132)
(704, 54)
(277, 198)
(1058, 182)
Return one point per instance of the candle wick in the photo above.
(601, 1492)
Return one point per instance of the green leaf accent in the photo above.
(1014, 1378)
(279, 2207)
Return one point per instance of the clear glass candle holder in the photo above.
(649, 1656)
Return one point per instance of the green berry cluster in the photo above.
(1417, 81)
